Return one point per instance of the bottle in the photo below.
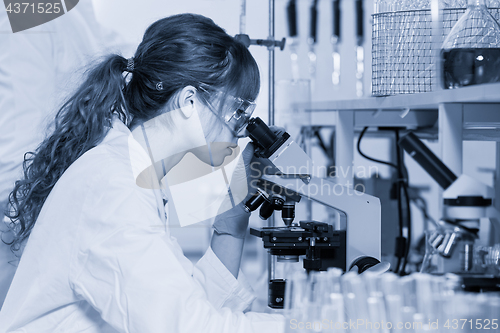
(471, 51)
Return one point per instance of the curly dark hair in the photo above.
(179, 51)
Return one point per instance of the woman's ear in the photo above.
(186, 101)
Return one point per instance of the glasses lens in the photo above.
(240, 113)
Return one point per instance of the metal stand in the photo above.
(271, 221)
(271, 44)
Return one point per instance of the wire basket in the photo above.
(403, 57)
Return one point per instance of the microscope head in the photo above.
(284, 157)
(292, 177)
(280, 150)
(464, 197)
(467, 198)
(465, 202)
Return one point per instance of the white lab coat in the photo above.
(99, 259)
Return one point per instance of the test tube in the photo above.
(393, 297)
(407, 285)
(425, 297)
(333, 308)
(296, 301)
(375, 300)
(355, 297)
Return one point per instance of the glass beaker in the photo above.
(471, 51)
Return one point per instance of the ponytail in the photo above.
(80, 124)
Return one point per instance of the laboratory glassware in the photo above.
(312, 39)
(291, 11)
(360, 51)
(471, 51)
(406, 46)
(296, 302)
(335, 42)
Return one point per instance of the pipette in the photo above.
(336, 42)
(291, 14)
(313, 29)
(360, 56)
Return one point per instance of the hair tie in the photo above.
(130, 65)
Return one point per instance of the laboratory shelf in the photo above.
(485, 93)
(451, 116)
(477, 107)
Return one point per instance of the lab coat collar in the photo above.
(139, 157)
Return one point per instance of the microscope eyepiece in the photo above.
(256, 200)
(268, 207)
(260, 133)
(266, 141)
(266, 210)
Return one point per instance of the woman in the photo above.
(99, 257)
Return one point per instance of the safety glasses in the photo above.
(237, 111)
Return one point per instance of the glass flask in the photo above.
(471, 51)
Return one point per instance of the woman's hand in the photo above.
(231, 223)
(233, 218)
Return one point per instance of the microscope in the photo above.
(465, 202)
(354, 242)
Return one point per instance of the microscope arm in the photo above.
(363, 213)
